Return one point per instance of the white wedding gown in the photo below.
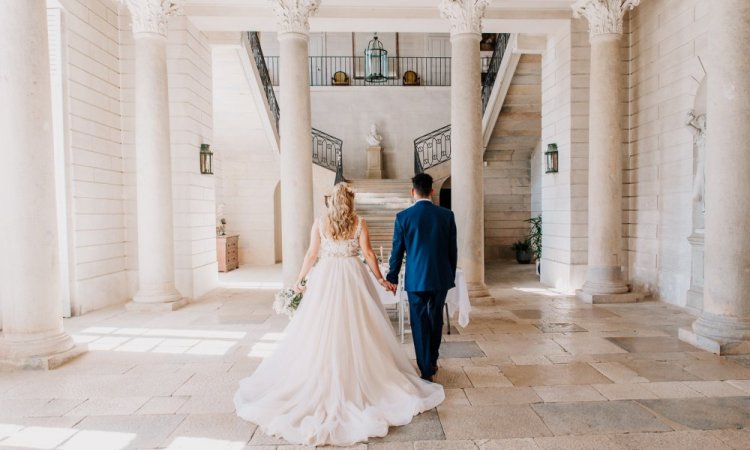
(338, 376)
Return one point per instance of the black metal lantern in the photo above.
(376, 61)
(550, 157)
(206, 160)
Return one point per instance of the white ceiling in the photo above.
(529, 16)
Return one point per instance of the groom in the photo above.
(427, 234)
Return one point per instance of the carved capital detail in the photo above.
(292, 15)
(152, 16)
(604, 16)
(465, 16)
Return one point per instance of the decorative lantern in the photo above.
(550, 157)
(376, 61)
(206, 160)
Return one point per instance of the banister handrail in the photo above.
(501, 44)
(252, 45)
(434, 148)
(327, 150)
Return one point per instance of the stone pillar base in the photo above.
(720, 347)
(603, 299)
(478, 291)
(156, 307)
(43, 354)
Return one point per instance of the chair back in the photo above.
(340, 79)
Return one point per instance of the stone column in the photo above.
(30, 287)
(295, 132)
(156, 276)
(467, 169)
(605, 280)
(724, 325)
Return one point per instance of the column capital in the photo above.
(292, 15)
(604, 16)
(152, 16)
(465, 16)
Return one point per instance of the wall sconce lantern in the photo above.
(550, 157)
(206, 160)
(376, 61)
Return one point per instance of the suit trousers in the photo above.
(426, 317)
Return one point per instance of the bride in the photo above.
(338, 375)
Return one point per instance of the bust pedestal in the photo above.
(375, 162)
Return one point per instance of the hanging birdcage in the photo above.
(376, 61)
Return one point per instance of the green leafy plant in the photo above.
(521, 246)
(535, 235)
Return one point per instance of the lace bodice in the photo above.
(339, 247)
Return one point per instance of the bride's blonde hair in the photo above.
(342, 220)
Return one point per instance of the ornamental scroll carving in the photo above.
(152, 16)
(292, 15)
(465, 16)
(604, 16)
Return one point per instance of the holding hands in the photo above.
(387, 285)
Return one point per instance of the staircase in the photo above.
(378, 201)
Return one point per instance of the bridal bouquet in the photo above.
(288, 300)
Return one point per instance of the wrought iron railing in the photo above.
(432, 149)
(349, 71)
(327, 153)
(493, 67)
(252, 45)
(435, 148)
(326, 149)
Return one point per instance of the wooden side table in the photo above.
(227, 252)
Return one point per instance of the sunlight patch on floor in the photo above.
(266, 346)
(12, 435)
(159, 340)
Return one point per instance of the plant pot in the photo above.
(523, 256)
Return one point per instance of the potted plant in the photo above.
(523, 251)
(535, 236)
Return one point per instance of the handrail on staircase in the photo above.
(252, 45)
(501, 43)
(326, 153)
(435, 147)
(326, 149)
(432, 149)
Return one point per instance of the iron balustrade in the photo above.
(326, 149)
(432, 149)
(493, 67)
(327, 153)
(323, 70)
(435, 148)
(251, 41)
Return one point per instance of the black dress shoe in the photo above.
(435, 369)
(427, 379)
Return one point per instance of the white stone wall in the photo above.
(666, 40)
(402, 114)
(565, 92)
(191, 124)
(93, 134)
(246, 166)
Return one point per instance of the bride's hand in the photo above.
(298, 287)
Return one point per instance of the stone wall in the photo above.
(666, 40)
(565, 92)
(92, 135)
(507, 176)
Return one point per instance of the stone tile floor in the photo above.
(533, 370)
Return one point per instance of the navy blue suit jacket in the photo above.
(427, 234)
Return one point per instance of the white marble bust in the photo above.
(373, 138)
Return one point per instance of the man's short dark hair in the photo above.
(422, 184)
